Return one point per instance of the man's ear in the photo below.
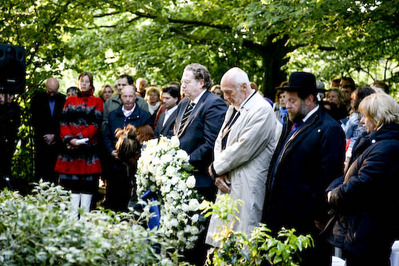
(202, 83)
(309, 100)
(244, 87)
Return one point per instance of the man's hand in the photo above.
(73, 143)
(49, 139)
(223, 183)
(210, 172)
(114, 154)
(329, 196)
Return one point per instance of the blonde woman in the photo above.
(366, 200)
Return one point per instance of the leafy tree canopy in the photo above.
(156, 39)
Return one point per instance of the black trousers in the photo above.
(119, 187)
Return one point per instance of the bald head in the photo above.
(128, 97)
(52, 86)
(235, 86)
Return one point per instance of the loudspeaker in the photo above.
(12, 69)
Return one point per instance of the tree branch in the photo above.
(171, 20)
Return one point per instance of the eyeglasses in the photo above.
(185, 82)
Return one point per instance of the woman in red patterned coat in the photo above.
(79, 164)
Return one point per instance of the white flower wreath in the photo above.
(164, 169)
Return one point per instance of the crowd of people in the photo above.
(321, 161)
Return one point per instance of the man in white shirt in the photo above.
(166, 121)
(114, 171)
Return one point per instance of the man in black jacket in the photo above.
(166, 121)
(309, 155)
(46, 109)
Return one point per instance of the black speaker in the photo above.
(12, 69)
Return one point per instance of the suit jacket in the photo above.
(42, 121)
(167, 129)
(117, 119)
(245, 160)
(115, 102)
(301, 169)
(198, 137)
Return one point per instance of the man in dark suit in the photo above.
(309, 155)
(46, 109)
(197, 131)
(119, 180)
(166, 121)
(199, 118)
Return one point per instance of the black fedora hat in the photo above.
(301, 81)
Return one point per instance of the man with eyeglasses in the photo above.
(200, 116)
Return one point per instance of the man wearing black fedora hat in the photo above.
(309, 155)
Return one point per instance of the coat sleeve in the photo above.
(253, 139)
(370, 173)
(332, 154)
(65, 129)
(108, 137)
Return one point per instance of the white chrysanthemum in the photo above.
(182, 155)
(194, 204)
(166, 159)
(174, 180)
(195, 218)
(182, 186)
(191, 182)
(174, 195)
(174, 222)
(194, 230)
(171, 171)
(175, 141)
(185, 207)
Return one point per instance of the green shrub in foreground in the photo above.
(38, 229)
(236, 248)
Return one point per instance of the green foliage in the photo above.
(38, 230)
(238, 248)
(23, 160)
(157, 38)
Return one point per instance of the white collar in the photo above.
(198, 97)
(171, 110)
(310, 113)
(127, 113)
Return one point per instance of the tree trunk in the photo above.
(274, 57)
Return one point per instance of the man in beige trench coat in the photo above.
(243, 150)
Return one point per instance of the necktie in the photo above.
(186, 115)
(296, 125)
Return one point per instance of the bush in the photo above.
(38, 229)
(236, 248)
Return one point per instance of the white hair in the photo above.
(139, 80)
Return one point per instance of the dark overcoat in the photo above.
(367, 201)
(302, 168)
